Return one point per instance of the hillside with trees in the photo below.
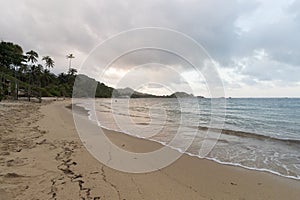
(23, 75)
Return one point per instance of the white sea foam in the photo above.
(254, 144)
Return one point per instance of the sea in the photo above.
(260, 134)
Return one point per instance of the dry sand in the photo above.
(42, 157)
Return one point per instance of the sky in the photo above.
(254, 45)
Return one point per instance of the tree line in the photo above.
(22, 75)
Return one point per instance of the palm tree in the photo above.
(48, 62)
(38, 70)
(71, 76)
(72, 71)
(46, 77)
(32, 57)
(70, 57)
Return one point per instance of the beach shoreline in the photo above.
(53, 164)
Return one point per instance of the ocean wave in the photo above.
(207, 158)
(242, 134)
(251, 135)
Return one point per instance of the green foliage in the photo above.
(90, 88)
(10, 54)
(48, 62)
(32, 79)
(32, 56)
(103, 91)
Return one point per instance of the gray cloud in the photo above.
(57, 28)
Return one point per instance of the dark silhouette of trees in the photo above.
(32, 79)
(49, 63)
(32, 57)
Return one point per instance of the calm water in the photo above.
(260, 134)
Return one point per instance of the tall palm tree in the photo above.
(38, 75)
(48, 62)
(32, 57)
(70, 57)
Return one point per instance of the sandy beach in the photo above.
(42, 157)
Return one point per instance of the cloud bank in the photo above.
(255, 44)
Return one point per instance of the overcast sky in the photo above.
(254, 44)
